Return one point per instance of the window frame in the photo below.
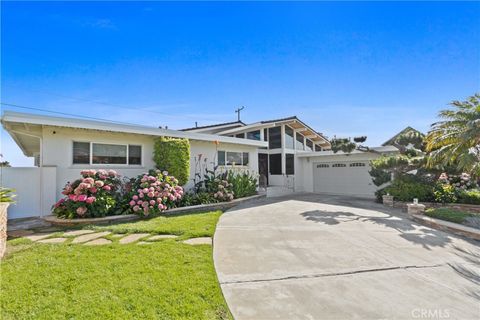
(289, 156)
(242, 156)
(270, 142)
(90, 156)
(270, 164)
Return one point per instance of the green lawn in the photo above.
(448, 214)
(185, 225)
(164, 280)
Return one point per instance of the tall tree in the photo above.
(455, 141)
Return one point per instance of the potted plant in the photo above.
(6, 197)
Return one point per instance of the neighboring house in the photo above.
(62, 147)
(288, 154)
(407, 133)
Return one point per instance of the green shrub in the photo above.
(193, 199)
(244, 184)
(408, 187)
(173, 155)
(6, 195)
(448, 214)
(445, 193)
(469, 196)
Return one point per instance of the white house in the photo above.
(62, 147)
(288, 155)
(299, 159)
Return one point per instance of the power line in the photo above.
(121, 106)
(64, 113)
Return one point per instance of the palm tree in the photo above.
(455, 141)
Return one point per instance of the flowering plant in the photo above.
(222, 190)
(460, 182)
(154, 192)
(93, 195)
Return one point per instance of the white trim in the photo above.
(118, 165)
(18, 117)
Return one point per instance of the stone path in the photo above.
(95, 238)
(90, 236)
(133, 237)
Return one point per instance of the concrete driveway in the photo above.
(325, 257)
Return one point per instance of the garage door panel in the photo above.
(350, 178)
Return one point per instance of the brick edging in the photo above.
(133, 217)
(455, 228)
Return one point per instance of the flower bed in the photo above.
(103, 193)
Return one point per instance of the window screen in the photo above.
(290, 163)
(275, 138)
(275, 163)
(81, 152)
(109, 153)
(134, 154)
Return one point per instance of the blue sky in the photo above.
(346, 69)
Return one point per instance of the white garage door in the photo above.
(349, 178)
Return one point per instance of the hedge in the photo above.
(173, 155)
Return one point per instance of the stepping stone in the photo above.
(90, 236)
(77, 232)
(202, 240)
(19, 233)
(97, 242)
(39, 236)
(161, 237)
(143, 242)
(53, 240)
(133, 237)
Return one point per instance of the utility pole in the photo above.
(238, 111)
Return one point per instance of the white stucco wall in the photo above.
(57, 146)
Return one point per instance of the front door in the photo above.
(263, 169)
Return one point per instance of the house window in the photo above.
(265, 134)
(81, 152)
(103, 153)
(290, 163)
(318, 148)
(339, 165)
(228, 158)
(253, 135)
(299, 143)
(323, 165)
(357, 164)
(289, 140)
(240, 135)
(134, 154)
(309, 146)
(275, 163)
(109, 153)
(275, 138)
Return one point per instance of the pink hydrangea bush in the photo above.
(222, 190)
(95, 194)
(154, 192)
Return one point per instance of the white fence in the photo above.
(35, 190)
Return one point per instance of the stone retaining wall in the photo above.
(472, 208)
(131, 217)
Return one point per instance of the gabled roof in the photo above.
(218, 125)
(11, 120)
(392, 140)
(292, 121)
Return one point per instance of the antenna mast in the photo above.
(238, 112)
